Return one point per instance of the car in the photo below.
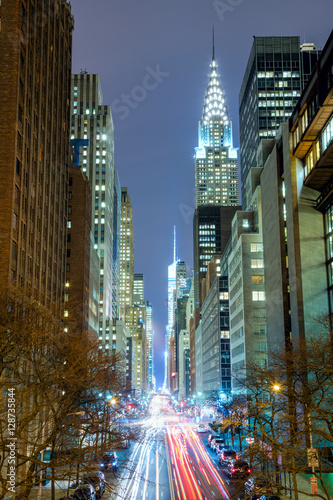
(210, 437)
(227, 455)
(220, 447)
(238, 469)
(269, 497)
(109, 461)
(84, 492)
(217, 441)
(201, 428)
(258, 486)
(97, 480)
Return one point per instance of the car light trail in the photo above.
(195, 475)
(136, 485)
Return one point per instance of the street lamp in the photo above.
(312, 454)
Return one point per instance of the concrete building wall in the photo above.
(294, 247)
(194, 322)
(211, 356)
(184, 376)
(198, 359)
(247, 296)
(277, 307)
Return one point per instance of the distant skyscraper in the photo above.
(90, 118)
(126, 253)
(138, 289)
(149, 332)
(276, 72)
(171, 293)
(211, 232)
(216, 163)
(35, 148)
(116, 247)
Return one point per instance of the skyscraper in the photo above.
(126, 253)
(138, 289)
(116, 246)
(92, 120)
(172, 273)
(211, 232)
(216, 163)
(35, 148)
(149, 332)
(216, 179)
(276, 72)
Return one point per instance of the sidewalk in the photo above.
(60, 491)
(62, 486)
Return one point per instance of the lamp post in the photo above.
(312, 454)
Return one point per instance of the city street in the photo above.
(171, 461)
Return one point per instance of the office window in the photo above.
(256, 247)
(258, 279)
(257, 263)
(256, 295)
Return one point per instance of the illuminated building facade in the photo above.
(276, 72)
(135, 320)
(91, 119)
(116, 246)
(297, 213)
(211, 233)
(216, 163)
(247, 296)
(138, 289)
(172, 274)
(149, 332)
(126, 253)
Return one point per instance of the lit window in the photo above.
(256, 247)
(257, 263)
(258, 295)
(69, 224)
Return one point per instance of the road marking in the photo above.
(172, 491)
(157, 477)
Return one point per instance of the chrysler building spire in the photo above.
(216, 164)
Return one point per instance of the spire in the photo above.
(214, 102)
(174, 245)
(213, 45)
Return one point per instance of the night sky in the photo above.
(153, 59)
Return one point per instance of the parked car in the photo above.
(220, 447)
(109, 461)
(210, 437)
(258, 486)
(97, 480)
(85, 492)
(238, 469)
(269, 497)
(201, 428)
(217, 441)
(227, 455)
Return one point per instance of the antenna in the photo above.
(174, 245)
(213, 45)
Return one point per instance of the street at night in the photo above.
(166, 265)
(172, 461)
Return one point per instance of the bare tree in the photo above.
(56, 420)
(288, 409)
